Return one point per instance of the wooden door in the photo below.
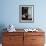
(13, 40)
(38, 40)
(27, 39)
(34, 39)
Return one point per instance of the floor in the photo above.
(0, 44)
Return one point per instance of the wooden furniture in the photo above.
(34, 39)
(13, 39)
(23, 39)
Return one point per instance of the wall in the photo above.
(9, 13)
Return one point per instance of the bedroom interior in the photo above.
(10, 13)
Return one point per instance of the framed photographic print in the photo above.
(26, 13)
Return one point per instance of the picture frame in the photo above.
(26, 13)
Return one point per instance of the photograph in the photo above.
(26, 13)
